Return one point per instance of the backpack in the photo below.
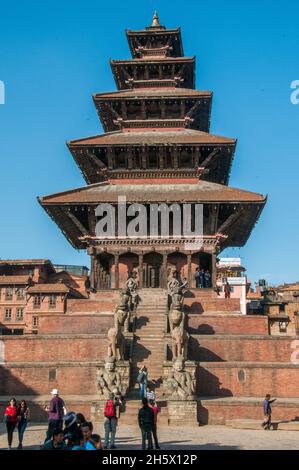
(109, 409)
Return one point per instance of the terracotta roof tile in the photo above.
(201, 191)
(156, 92)
(13, 280)
(186, 136)
(48, 288)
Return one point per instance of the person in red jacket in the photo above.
(11, 419)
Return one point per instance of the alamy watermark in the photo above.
(295, 94)
(2, 92)
(152, 221)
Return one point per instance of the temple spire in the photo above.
(155, 23)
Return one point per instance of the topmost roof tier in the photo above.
(155, 40)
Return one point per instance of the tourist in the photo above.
(201, 278)
(156, 411)
(71, 428)
(11, 420)
(111, 414)
(56, 412)
(267, 412)
(142, 381)
(197, 275)
(23, 418)
(95, 440)
(80, 419)
(56, 442)
(207, 279)
(146, 419)
(227, 290)
(79, 442)
(150, 395)
(90, 441)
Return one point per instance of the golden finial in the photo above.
(155, 22)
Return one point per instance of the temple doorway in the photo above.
(152, 264)
(103, 272)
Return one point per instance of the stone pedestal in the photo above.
(182, 412)
(189, 366)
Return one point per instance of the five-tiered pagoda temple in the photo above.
(156, 149)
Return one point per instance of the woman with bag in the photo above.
(24, 416)
(11, 420)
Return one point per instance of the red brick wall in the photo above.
(243, 379)
(85, 323)
(240, 348)
(219, 411)
(228, 324)
(55, 348)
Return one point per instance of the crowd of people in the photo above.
(71, 431)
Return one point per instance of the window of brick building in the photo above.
(7, 314)
(20, 313)
(37, 301)
(8, 293)
(52, 301)
(21, 293)
(35, 322)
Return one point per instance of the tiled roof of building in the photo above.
(13, 280)
(184, 136)
(25, 261)
(48, 288)
(200, 191)
(154, 93)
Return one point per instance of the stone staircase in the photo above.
(149, 345)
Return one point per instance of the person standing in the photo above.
(156, 411)
(196, 275)
(23, 418)
(111, 414)
(267, 412)
(201, 278)
(207, 279)
(11, 420)
(142, 381)
(146, 421)
(56, 412)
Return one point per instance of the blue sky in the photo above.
(55, 54)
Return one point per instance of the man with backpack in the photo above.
(111, 413)
(146, 420)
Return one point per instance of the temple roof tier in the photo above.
(154, 72)
(228, 211)
(160, 107)
(140, 154)
(155, 40)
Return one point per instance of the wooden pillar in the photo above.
(140, 270)
(143, 109)
(189, 269)
(130, 158)
(214, 272)
(164, 271)
(116, 271)
(175, 158)
(110, 158)
(92, 272)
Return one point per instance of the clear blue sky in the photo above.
(54, 55)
